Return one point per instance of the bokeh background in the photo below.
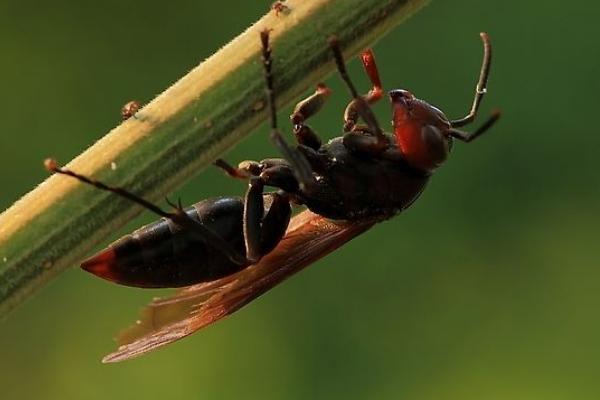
(487, 288)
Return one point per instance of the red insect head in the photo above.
(421, 130)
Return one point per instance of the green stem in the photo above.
(180, 132)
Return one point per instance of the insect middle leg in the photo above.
(304, 135)
(247, 169)
(263, 231)
(306, 109)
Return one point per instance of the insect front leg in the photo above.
(352, 112)
(368, 140)
(262, 231)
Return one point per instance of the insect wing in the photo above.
(308, 238)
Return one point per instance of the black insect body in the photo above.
(164, 254)
(348, 184)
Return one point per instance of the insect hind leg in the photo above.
(179, 216)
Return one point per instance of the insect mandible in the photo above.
(227, 251)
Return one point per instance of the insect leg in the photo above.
(367, 58)
(306, 109)
(376, 141)
(245, 169)
(263, 232)
(351, 114)
(179, 216)
(469, 137)
(300, 165)
(249, 168)
(481, 88)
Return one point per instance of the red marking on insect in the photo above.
(102, 264)
(420, 130)
(227, 251)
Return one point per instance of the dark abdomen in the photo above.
(161, 254)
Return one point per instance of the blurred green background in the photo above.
(487, 288)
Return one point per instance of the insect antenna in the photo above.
(469, 137)
(481, 88)
(179, 216)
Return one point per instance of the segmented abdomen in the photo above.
(162, 254)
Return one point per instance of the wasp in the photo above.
(226, 251)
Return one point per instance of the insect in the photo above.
(227, 251)
(280, 8)
(129, 109)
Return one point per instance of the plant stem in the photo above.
(180, 132)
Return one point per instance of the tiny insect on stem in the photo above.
(280, 8)
(129, 109)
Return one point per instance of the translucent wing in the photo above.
(308, 238)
